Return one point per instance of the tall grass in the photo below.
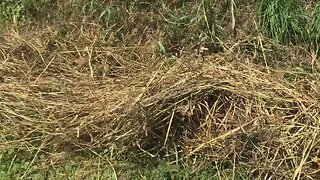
(209, 16)
(315, 30)
(283, 20)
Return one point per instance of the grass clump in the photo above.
(315, 30)
(108, 14)
(24, 10)
(11, 10)
(283, 20)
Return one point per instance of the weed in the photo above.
(11, 10)
(283, 20)
(315, 30)
(210, 17)
(107, 13)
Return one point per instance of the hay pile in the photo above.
(79, 96)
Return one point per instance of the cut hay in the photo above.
(85, 97)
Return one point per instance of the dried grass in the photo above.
(83, 96)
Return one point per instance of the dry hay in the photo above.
(83, 96)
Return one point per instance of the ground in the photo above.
(159, 89)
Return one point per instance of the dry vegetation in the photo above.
(238, 102)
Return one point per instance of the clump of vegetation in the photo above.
(11, 10)
(108, 14)
(22, 10)
(315, 30)
(283, 20)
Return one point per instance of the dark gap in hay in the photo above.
(52, 45)
(187, 114)
(24, 52)
(291, 112)
(213, 48)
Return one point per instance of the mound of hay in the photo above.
(64, 97)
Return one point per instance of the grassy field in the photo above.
(181, 89)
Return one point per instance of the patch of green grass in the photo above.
(283, 20)
(187, 25)
(315, 30)
(210, 17)
(15, 165)
(107, 13)
(24, 10)
(11, 10)
(179, 28)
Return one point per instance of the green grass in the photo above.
(11, 10)
(15, 166)
(18, 11)
(315, 30)
(283, 20)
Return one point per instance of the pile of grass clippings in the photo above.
(103, 90)
(67, 97)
